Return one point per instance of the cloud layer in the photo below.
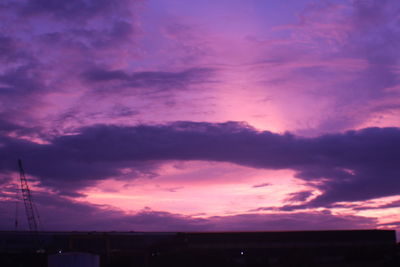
(60, 213)
(96, 90)
(352, 166)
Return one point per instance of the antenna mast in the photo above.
(33, 218)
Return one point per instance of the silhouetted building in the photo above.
(125, 249)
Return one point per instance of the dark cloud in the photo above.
(361, 31)
(352, 166)
(369, 206)
(85, 27)
(299, 196)
(396, 223)
(46, 44)
(100, 75)
(377, 40)
(21, 89)
(73, 9)
(285, 208)
(8, 49)
(7, 126)
(173, 189)
(20, 81)
(115, 33)
(261, 185)
(121, 111)
(157, 80)
(306, 205)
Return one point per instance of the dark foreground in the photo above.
(127, 249)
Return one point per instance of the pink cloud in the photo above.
(101, 97)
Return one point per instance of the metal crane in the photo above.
(30, 208)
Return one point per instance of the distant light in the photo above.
(241, 252)
(59, 252)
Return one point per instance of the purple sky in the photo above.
(166, 115)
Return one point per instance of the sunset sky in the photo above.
(184, 115)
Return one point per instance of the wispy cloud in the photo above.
(261, 185)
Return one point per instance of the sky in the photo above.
(183, 115)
